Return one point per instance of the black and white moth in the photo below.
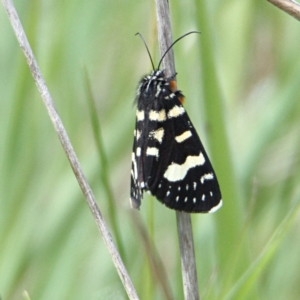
(168, 158)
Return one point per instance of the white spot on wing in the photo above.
(215, 208)
(157, 134)
(203, 197)
(157, 116)
(194, 200)
(138, 151)
(152, 151)
(207, 176)
(195, 185)
(134, 166)
(176, 172)
(140, 115)
(177, 198)
(138, 134)
(182, 137)
(176, 111)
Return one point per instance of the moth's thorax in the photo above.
(155, 87)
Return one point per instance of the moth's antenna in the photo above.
(147, 49)
(173, 45)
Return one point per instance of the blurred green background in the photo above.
(241, 82)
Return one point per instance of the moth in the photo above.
(168, 158)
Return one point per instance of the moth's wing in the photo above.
(142, 158)
(137, 174)
(181, 175)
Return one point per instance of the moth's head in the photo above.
(155, 75)
(149, 84)
(156, 85)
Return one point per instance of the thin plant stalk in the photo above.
(184, 227)
(68, 148)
